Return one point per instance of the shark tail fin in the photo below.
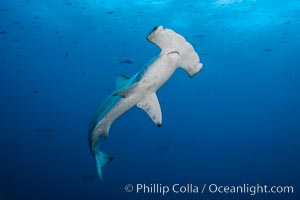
(170, 41)
(101, 160)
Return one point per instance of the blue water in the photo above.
(234, 123)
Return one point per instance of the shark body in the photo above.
(140, 90)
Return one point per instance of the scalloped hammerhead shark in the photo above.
(140, 90)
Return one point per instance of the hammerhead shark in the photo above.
(140, 90)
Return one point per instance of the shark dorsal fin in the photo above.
(151, 106)
(121, 79)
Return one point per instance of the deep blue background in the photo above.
(235, 122)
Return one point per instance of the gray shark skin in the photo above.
(140, 90)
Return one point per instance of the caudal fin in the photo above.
(101, 160)
(170, 41)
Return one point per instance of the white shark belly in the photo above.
(156, 75)
(159, 72)
(120, 108)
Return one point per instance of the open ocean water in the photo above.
(236, 123)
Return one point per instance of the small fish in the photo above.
(22, 169)
(38, 26)
(249, 149)
(107, 32)
(45, 136)
(72, 84)
(68, 3)
(198, 36)
(126, 62)
(41, 130)
(110, 12)
(87, 177)
(267, 49)
(3, 9)
(15, 39)
(164, 145)
(3, 32)
(36, 91)
(66, 54)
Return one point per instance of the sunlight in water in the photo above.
(153, 4)
(228, 2)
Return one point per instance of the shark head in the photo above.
(170, 42)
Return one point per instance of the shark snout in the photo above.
(195, 69)
(157, 30)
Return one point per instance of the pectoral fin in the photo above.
(151, 106)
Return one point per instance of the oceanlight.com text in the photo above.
(163, 189)
(250, 189)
